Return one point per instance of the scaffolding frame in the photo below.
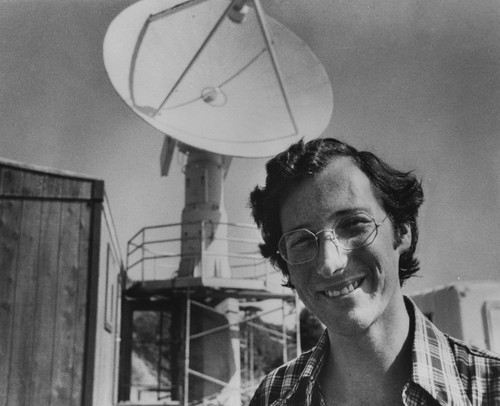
(248, 320)
(258, 287)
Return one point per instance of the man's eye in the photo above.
(355, 221)
(353, 225)
(298, 241)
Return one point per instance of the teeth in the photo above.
(344, 291)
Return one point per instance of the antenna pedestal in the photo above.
(204, 219)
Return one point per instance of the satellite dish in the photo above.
(217, 75)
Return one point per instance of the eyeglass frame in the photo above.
(331, 236)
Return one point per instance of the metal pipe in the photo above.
(210, 379)
(298, 340)
(267, 329)
(204, 306)
(187, 349)
(251, 361)
(202, 251)
(142, 253)
(225, 326)
(158, 372)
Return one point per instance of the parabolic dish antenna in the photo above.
(217, 75)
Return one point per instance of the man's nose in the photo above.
(331, 258)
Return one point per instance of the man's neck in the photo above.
(373, 366)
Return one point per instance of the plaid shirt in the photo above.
(445, 371)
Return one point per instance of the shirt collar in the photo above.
(434, 368)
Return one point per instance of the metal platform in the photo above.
(209, 287)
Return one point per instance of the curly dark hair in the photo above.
(400, 194)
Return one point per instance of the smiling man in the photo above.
(341, 226)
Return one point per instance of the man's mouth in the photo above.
(345, 290)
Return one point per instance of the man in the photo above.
(341, 226)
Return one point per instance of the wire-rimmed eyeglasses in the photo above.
(351, 232)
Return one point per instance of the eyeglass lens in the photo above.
(351, 232)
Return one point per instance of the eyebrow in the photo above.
(347, 212)
(338, 214)
(350, 211)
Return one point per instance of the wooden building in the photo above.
(60, 269)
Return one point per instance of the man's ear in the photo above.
(404, 238)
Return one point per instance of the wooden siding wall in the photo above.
(45, 261)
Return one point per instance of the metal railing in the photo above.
(155, 252)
